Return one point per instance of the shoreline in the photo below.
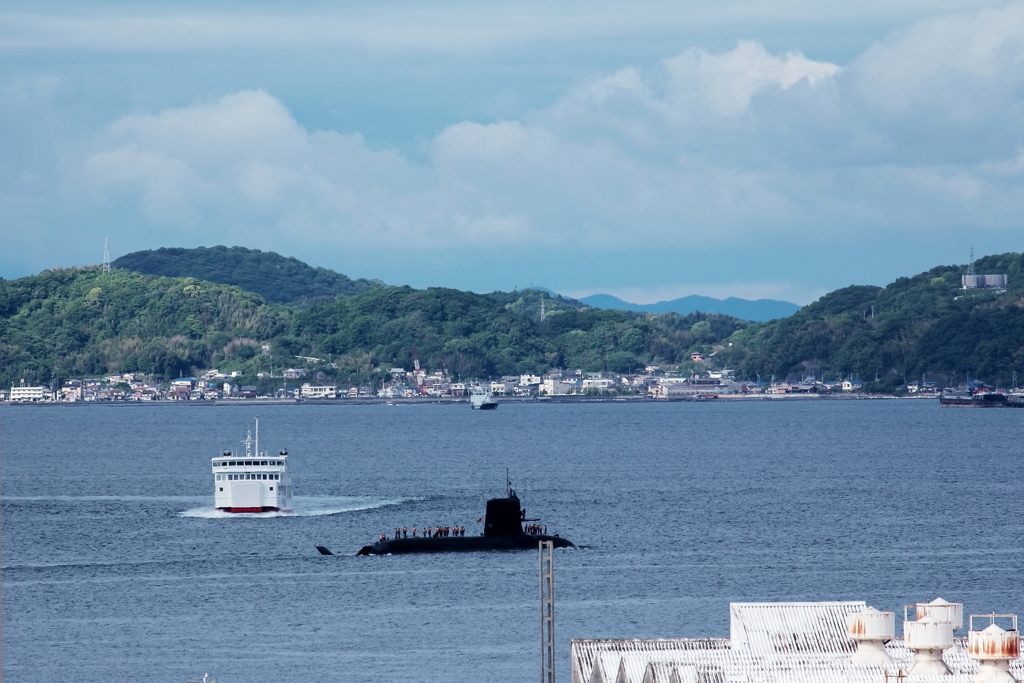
(465, 400)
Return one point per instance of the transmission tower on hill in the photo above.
(106, 257)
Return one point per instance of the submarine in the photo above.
(503, 530)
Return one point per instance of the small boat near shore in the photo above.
(982, 399)
(482, 400)
(254, 481)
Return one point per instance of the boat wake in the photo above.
(304, 506)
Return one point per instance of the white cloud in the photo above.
(736, 148)
(726, 82)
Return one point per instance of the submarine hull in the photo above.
(462, 544)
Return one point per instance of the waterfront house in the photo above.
(310, 391)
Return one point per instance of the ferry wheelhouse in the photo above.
(253, 482)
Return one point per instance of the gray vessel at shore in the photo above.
(482, 400)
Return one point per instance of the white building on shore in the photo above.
(310, 391)
(32, 394)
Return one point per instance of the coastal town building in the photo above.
(557, 387)
(30, 394)
(310, 391)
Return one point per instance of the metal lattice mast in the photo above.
(546, 557)
(106, 256)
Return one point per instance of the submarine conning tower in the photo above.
(504, 516)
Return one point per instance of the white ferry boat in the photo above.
(252, 482)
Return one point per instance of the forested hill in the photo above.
(480, 336)
(920, 325)
(78, 322)
(276, 278)
(81, 322)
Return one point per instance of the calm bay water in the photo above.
(116, 569)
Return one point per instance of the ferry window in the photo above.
(263, 462)
(271, 488)
(221, 488)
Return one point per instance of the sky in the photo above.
(650, 150)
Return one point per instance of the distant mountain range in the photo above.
(760, 310)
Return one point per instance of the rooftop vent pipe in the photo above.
(940, 610)
(993, 648)
(871, 629)
(930, 634)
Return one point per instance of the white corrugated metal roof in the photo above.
(778, 643)
(792, 627)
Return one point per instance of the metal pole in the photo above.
(546, 558)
